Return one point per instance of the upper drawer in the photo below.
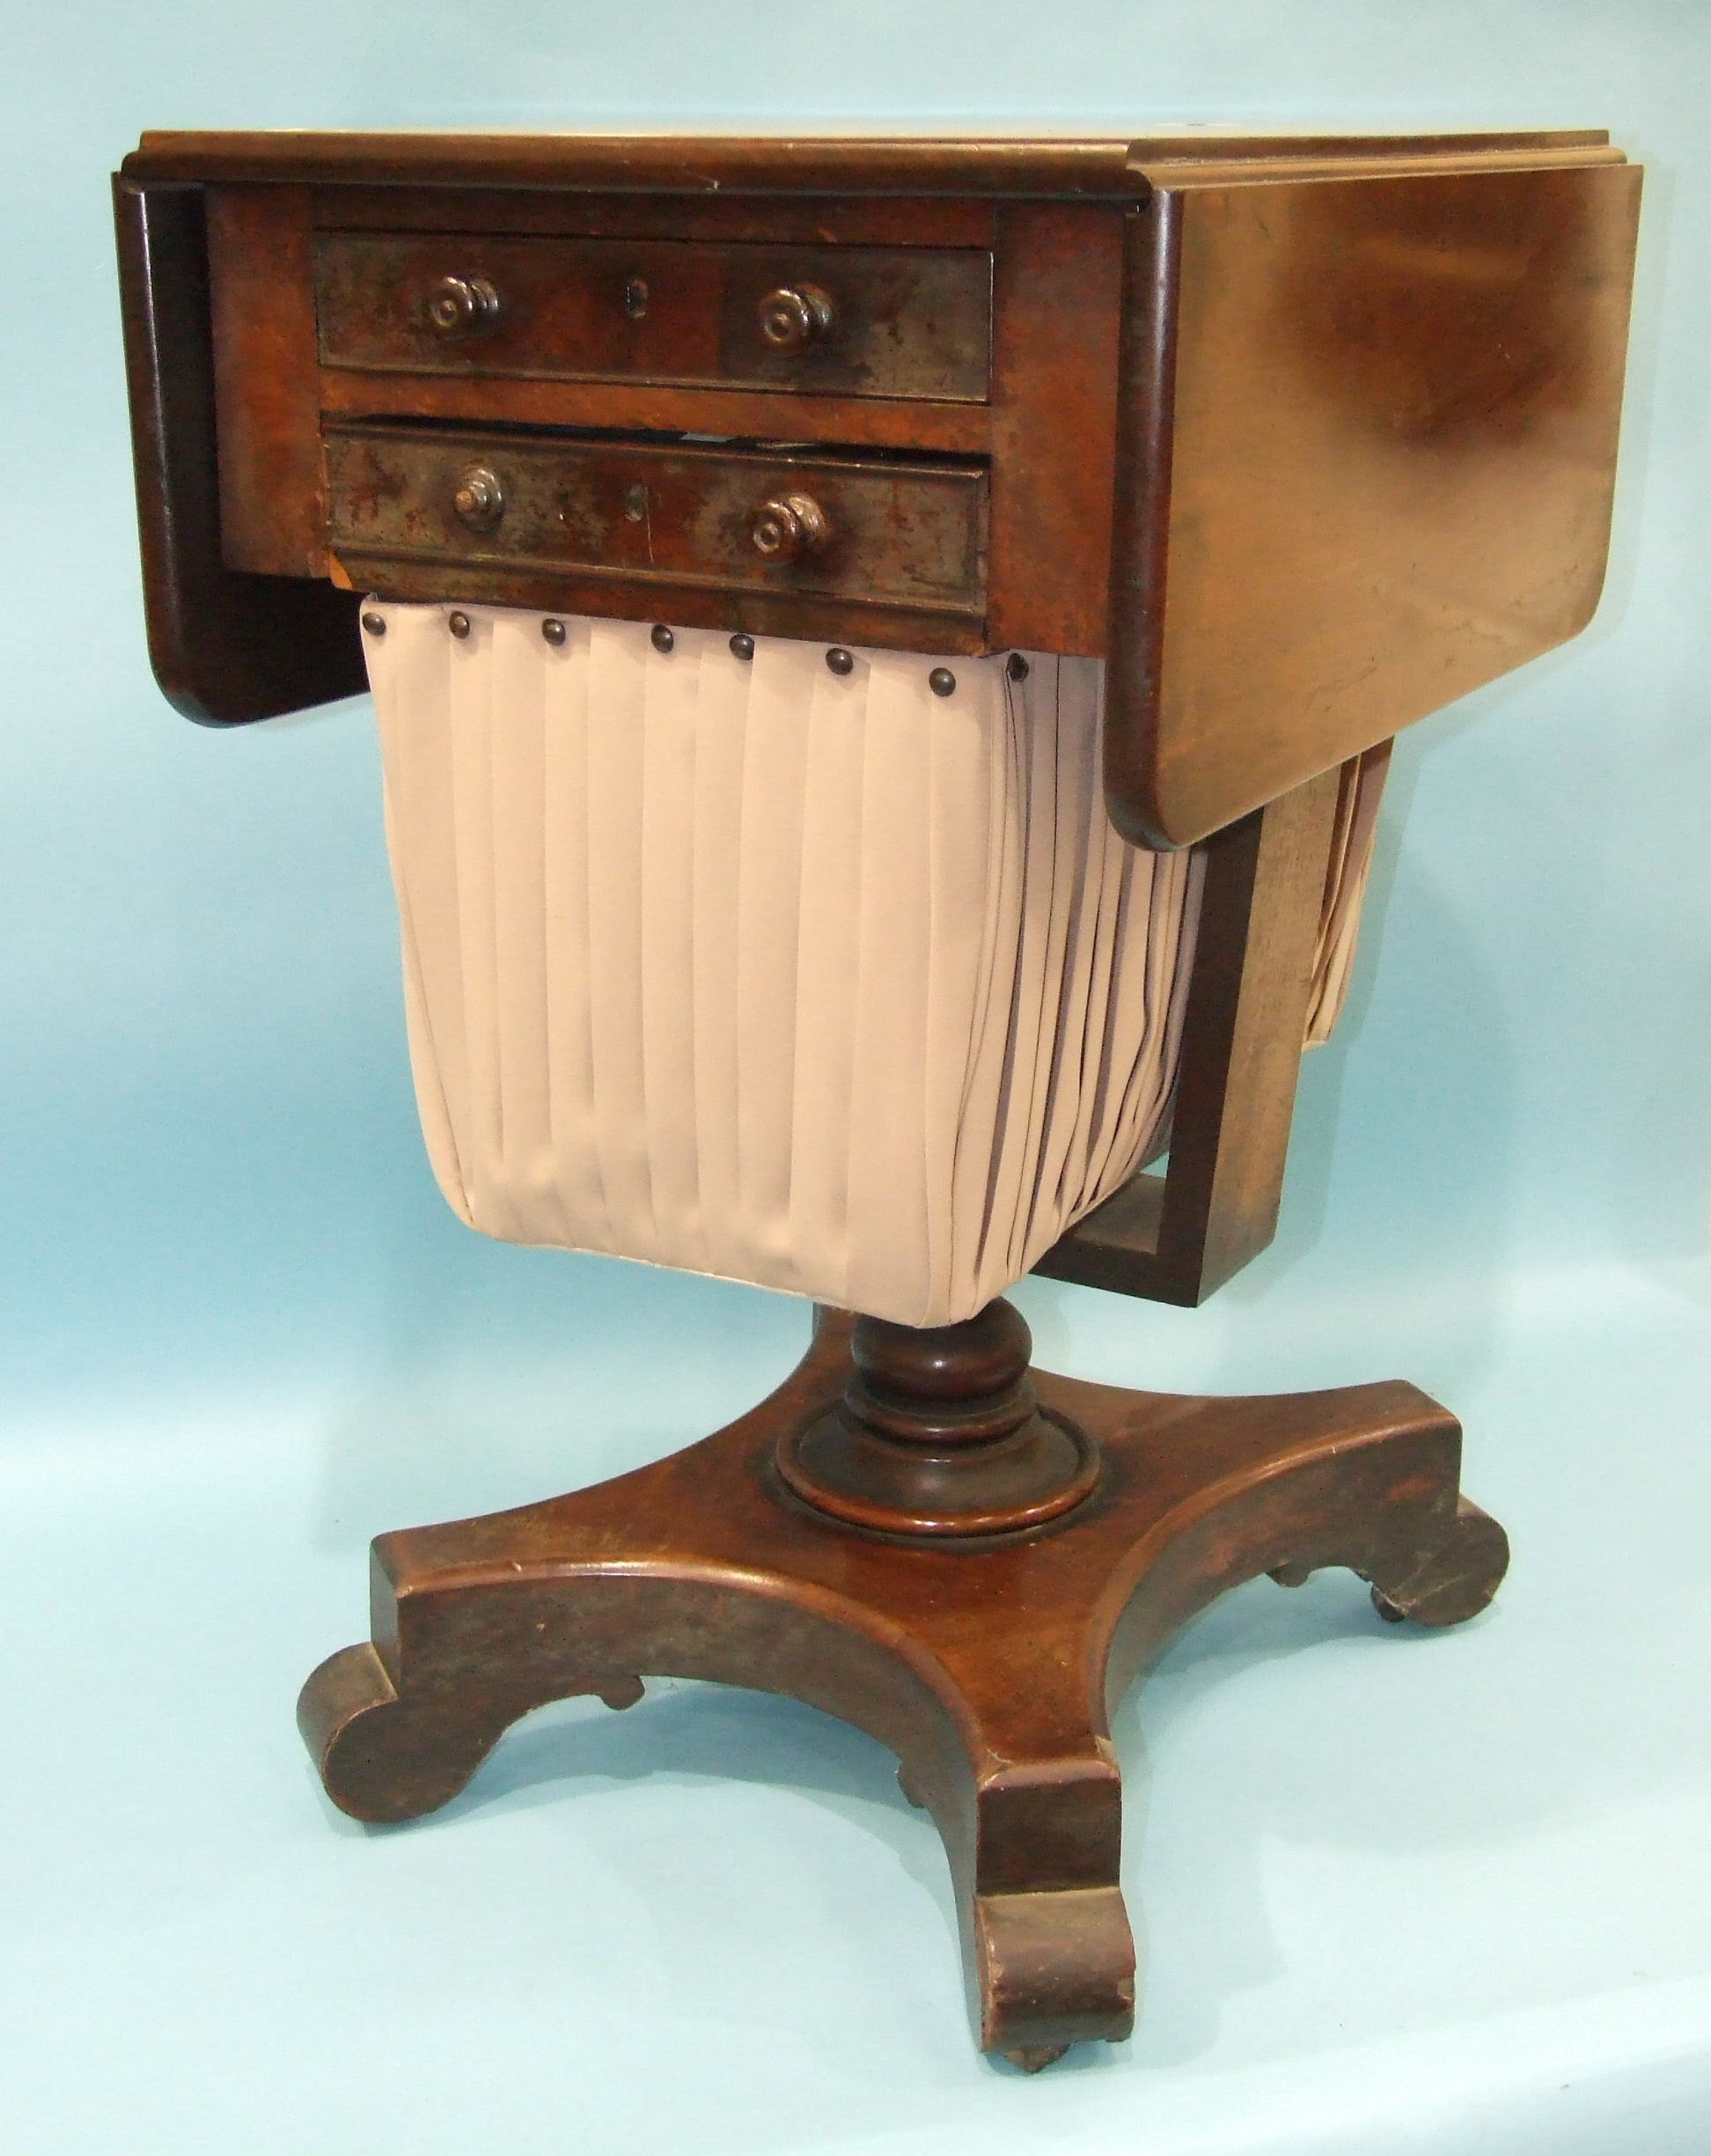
(909, 323)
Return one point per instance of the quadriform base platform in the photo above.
(885, 654)
(988, 1664)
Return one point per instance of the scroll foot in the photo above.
(1451, 1583)
(386, 1754)
(381, 1758)
(1054, 1966)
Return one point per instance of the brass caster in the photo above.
(1032, 2057)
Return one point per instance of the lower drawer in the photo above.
(651, 516)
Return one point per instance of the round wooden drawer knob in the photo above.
(797, 316)
(462, 308)
(479, 499)
(789, 526)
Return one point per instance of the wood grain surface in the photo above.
(227, 647)
(1367, 464)
(1111, 167)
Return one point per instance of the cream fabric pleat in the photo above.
(1360, 792)
(826, 983)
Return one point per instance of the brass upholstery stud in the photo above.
(941, 682)
(1017, 667)
(743, 646)
(839, 660)
(661, 638)
(554, 631)
(458, 624)
(375, 625)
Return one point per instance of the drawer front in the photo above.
(909, 323)
(881, 533)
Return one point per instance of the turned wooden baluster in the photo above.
(940, 1432)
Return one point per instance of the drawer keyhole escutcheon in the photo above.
(789, 526)
(462, 308)
(479, 500)
(797, 316)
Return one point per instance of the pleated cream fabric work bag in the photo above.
(828, 983)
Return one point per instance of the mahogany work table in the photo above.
(1301, 439)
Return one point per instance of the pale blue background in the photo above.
(1436, 1896)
